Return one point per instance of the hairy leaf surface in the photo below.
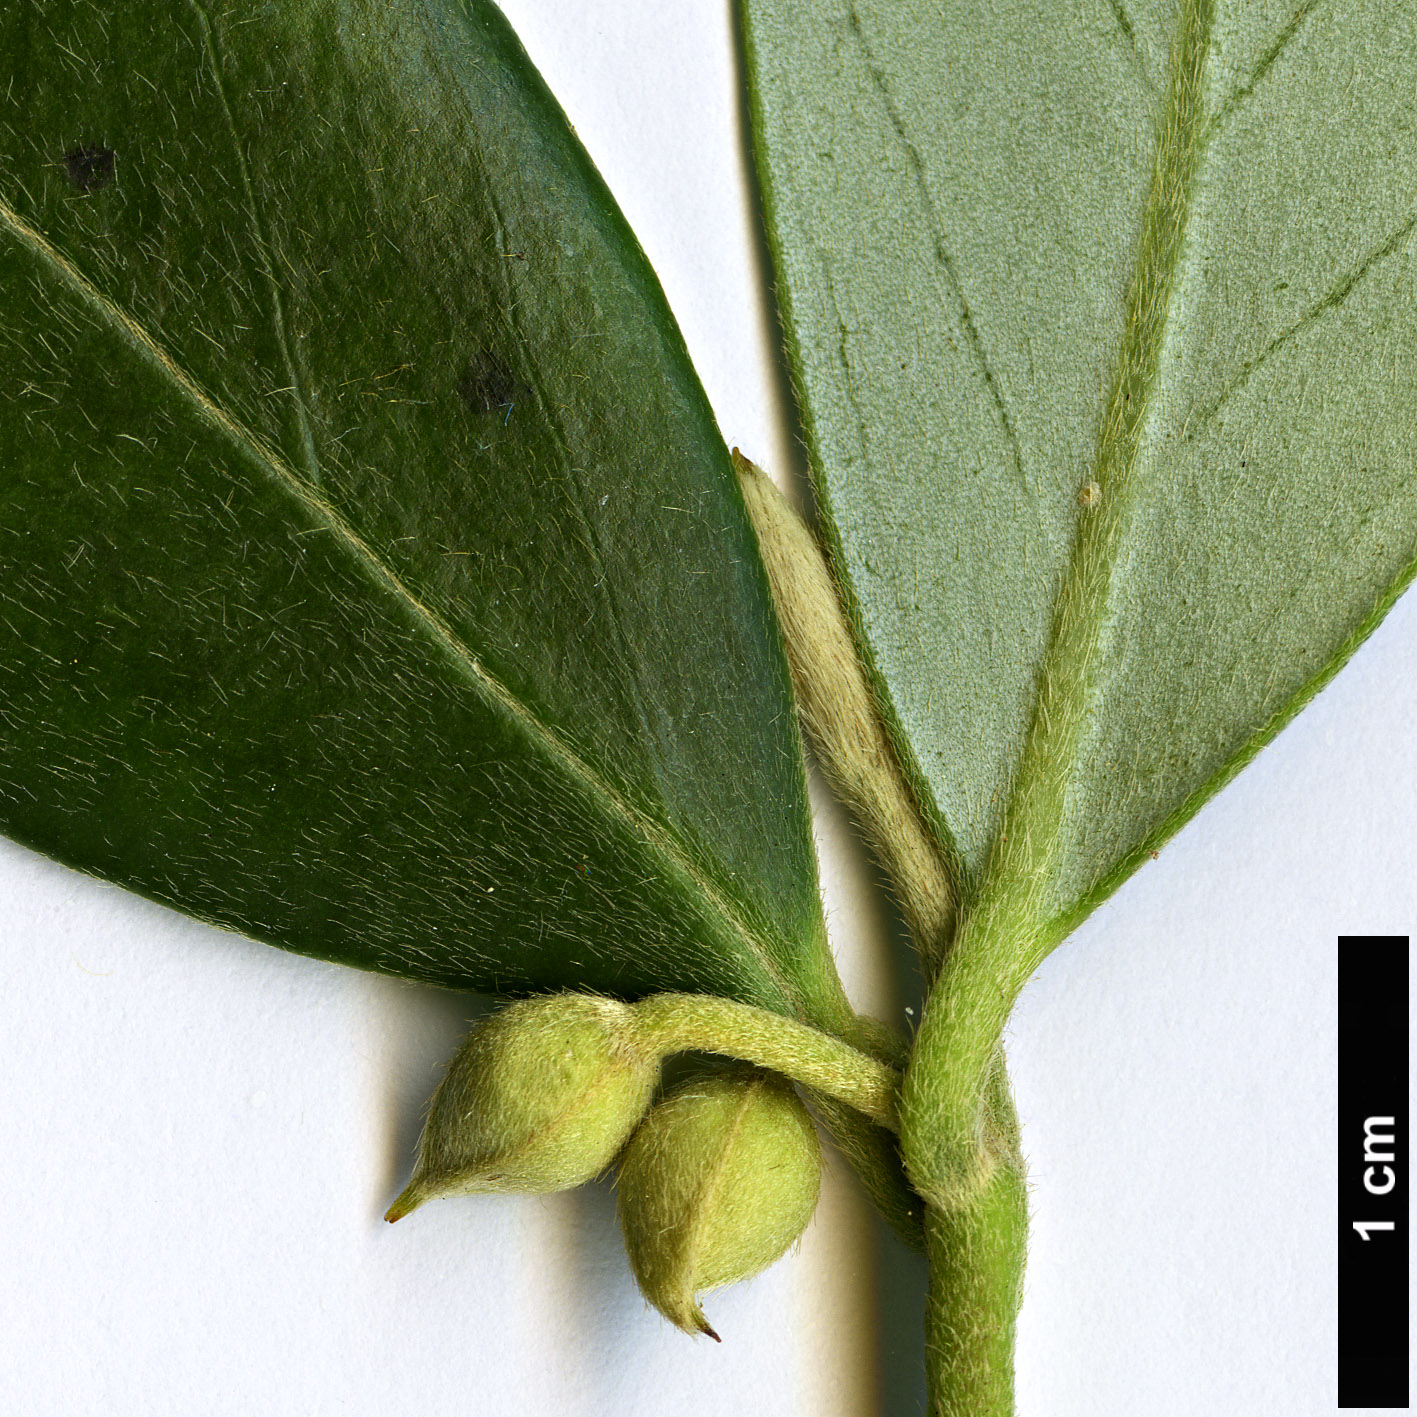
(373, 578)
(1104, 325)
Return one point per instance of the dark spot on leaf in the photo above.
(487, 385)
(90, 167)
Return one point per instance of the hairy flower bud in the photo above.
(539, 1098)
(719, 1181)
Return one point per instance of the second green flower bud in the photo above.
(719, 1181)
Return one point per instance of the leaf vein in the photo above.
(942, 252)
(304, 435)
(1124, 24)
(1280, 44)
(485, 685)
(1328, 303)
(604, 582)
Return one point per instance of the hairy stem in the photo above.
(976, 1253)
(945, 1098)
(677, 1023)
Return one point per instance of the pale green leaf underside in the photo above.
(963, 209)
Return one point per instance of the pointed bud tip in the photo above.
(691, 1320)
(408, 1201)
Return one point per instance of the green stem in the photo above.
(976, 1253)
(944, 1100)
(678, 1023)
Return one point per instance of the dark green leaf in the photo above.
(373, 579)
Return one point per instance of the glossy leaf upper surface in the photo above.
(373, 579)
(1104, 323)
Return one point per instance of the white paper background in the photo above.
(198, 1134)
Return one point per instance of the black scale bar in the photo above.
(1373, 1164)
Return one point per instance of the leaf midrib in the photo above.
(1018, 878)
(491, 690)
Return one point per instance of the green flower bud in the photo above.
(540, 1098)
(719, 1181)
